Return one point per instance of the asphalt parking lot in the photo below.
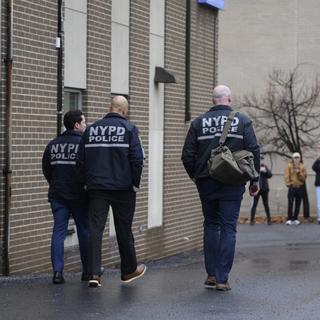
(275, 276)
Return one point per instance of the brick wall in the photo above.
(2, 117)
(34, 123)
(97, 95)
(183, 216)
(139, 108)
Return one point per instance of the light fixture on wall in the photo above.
(161, 75)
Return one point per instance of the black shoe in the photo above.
(58, 278)
(252, 222)
(86, 277)
(94, 282)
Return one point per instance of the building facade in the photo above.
(109, 47)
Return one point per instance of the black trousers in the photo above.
(305, 200)
(264, 196)
(123, 207)
(295, 195)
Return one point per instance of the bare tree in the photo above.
(287, 116)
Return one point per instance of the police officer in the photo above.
(220, 202)
(66, 194)
(111, 159)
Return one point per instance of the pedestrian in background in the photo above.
(265, 174)
(316, 169)
(66, 194)
(220, 202)
(295, 177)
(111, 160)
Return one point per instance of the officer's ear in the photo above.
(125, 112)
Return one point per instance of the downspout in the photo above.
(59, 48)
(7, 171)
(187, 116)
(215, 49)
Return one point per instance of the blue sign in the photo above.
(213, 3)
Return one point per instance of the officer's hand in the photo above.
(254, 189)
(135, 189)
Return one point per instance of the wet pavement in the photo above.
(276, 275)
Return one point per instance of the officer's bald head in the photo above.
(221, 95)
(119, 104)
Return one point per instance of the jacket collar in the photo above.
(114, 115)
(71, 133)
(220, 107)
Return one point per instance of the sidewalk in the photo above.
(275, 276)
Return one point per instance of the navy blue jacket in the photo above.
(316, 169)
(208, 126)
(59, 168)
(263, 180)
(111, 154)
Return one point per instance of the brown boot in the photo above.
(223, 286)
(210, 283)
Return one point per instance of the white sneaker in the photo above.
(289, 223)
(296, 222)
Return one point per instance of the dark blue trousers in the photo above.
(220, 206)
(61, 214)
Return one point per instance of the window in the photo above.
(75, 36)
(120, 46)
(72, 99)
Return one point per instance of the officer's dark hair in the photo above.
(71, 118)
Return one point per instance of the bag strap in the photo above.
(226, 128)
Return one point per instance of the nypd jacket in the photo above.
(111, 155)
(208, 127)
(59, 168)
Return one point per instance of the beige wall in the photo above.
(258, 36)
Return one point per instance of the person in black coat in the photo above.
(316, 169)
(110, 160)
(220, 202)
(66, 194)
(265, 174)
